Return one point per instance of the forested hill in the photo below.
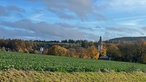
(126, 39)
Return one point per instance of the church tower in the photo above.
(100, 44)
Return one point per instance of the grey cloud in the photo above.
(15, 33)
(144, 28)
(14, 8)
(6, 10)
(98, 27)
(120, 29)
(91, 29)
(125, 31)
(77, 8)
(44, 30)
(3, 11)
(110, 34)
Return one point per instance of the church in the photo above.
(100, 49)
(100, 44)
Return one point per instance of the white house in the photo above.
(41, 50)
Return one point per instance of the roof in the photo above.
(103, 57)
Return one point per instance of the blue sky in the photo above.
(72, 19)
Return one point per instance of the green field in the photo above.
(23, 61)
(22, 67)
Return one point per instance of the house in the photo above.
(41, 50)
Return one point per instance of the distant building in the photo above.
(100, 49)
(103, 57)
(41, 50)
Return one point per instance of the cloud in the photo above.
(44, 31)
(124, 31)
(127, 4)
(144, 28)
(14, 33)
(37, 17)
(72, 19)
(6, 10)
(131, 22)
(14, 8)
(3, 11)
(114, 32)
(72, 8)
(121, 29)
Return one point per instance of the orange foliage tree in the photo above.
(57, 50)
(93, 52)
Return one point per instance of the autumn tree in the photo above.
(93, 52)
(72, 52)
(57, 50)
(78, 52)
(82, 52)
(128, 51)
(104, 50)
(140, 50)
(114, 52)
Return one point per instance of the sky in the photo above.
(72, 19)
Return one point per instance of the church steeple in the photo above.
(100, 44)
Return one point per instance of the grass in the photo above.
(41, 76)
(24, 61)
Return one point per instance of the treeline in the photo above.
(79, 48)
(128, 51)
(29, 45)
(119, 51)
(18, 45)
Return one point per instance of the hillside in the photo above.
(128, 39)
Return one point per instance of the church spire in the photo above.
(100, 44)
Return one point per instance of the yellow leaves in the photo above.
(80, 52)
(93, 52)
(57, 50)
(96, 55)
